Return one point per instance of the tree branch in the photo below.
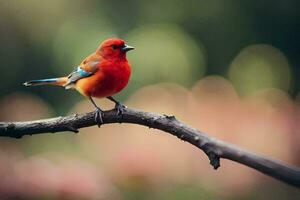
(214, 149)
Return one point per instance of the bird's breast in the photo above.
(108, 81)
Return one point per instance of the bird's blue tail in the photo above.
(50, 81)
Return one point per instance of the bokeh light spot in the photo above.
(260, 66)
(75, 40)
(165, 53)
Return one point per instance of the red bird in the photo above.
(102, 74)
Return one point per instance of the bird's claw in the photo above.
(99, 117)
(120, 108)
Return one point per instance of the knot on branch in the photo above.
(170, 117)
(10, 129)
(72, 128)
(214, 159)
(212, 154)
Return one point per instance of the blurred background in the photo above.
(229, 68)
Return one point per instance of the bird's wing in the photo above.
(84, 70)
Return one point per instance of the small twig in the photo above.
(214, 149)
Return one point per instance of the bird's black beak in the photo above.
(127, 48)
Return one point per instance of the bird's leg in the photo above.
(98, 113)
(119, 106)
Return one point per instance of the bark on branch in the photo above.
(213, 148)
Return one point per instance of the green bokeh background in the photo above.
(178, 41)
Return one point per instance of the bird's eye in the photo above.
(114, 46)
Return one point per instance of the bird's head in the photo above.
(114, 48)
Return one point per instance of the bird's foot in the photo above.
(99, 116)
(120, 108)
